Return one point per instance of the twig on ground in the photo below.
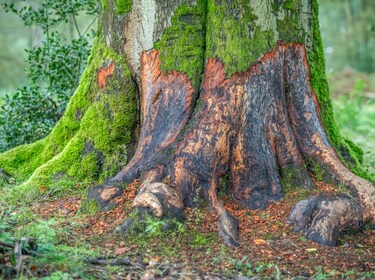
(25, 251)
(18, 257)
(113, 262)
(98, 261)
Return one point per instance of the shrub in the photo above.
(54, 68)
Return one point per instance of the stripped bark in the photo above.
(252, 125)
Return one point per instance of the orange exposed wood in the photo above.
(259, 126)
(103, 73)
(160, 127)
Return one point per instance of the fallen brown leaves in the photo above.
(264, 236)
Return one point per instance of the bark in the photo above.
(225, 88)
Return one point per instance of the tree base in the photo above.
(261, 126)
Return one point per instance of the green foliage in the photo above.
(355, 115)
(5, 235)
(154, 227)
(350, 40)
(244, 267)
(54, 69)
(42, 231)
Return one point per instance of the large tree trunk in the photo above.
(223, 88)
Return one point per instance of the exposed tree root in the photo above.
(323, 218)
(261, 126)
(4, 176)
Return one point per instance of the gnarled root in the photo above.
(228, 229)
(322, 218)
(259, 126)
(156, 199)
(105, 195)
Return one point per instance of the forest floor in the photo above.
(68, 239)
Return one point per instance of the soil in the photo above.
(269, 249)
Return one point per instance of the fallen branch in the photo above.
(113, 262)
(6, 177)
(24, 251)
(18, 257)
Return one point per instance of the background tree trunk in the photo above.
(192, 91)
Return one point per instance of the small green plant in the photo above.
(355, 114)
(43, 231)
(316, 170)
(201, 239)
(321, 275)
(198, 216)
(225, 184)
(197, 196)
(180, 230)
(154, 227)
(89, 207)
(54, 69)
(5, 234)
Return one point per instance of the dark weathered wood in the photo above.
(161, 126)
(262, 126)
(252, 125)
(242, 128)
(323, 217)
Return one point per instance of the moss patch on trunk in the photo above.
(182, 44)
(91, 141)
(349, 152)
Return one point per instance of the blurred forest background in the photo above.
(44, 49)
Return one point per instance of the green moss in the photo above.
(90, 141)
(104, 4)
(292, 178)
(350, 153)
(123, 6)
(290, 27)
(89, 207)
(316, 169)
(355, 149)
(182, 44)
(22, 161)
(291, 5)
(237, 43)
(105, 131)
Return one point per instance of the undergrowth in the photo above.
(62, 247)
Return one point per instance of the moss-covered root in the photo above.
(349, 153)
(93, 139)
